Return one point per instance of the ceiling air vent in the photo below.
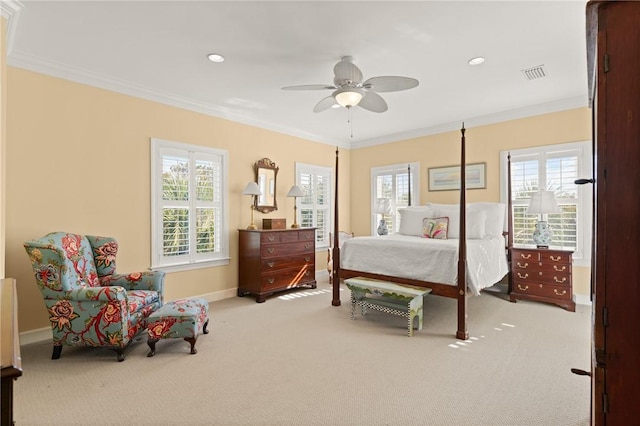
(534, 73)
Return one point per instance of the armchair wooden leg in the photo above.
(204, 327)
(120, 354)
(192, 341)
(57, 350)
(152, 346)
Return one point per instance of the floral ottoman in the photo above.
(184, 318)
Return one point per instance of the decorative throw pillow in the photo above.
(435, 227)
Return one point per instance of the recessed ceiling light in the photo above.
(476, 61)
(214, 57)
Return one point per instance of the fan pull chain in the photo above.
(350, 121)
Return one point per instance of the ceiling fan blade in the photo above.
(373, 102)
(390, 83)
(310, 87)
(324, 104)
(346, 71)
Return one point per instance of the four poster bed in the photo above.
(472, 258)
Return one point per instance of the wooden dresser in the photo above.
(542, 275)
(275, 260)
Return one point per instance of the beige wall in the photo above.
(483, 144)
(79, 161)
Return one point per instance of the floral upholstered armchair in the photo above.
(90, 304)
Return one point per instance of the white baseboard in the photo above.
(582, 299)
(35, 336)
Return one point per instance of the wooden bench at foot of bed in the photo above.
(403, 300)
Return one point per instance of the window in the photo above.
(314, 208)
(553, 168)
(188, 206)
(396, 183)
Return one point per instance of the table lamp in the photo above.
(253, 190)
(383, 207)
(295, 192)
(542, 202)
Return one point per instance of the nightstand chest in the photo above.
(275, 260)
(542, 275)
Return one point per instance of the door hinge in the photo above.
(605, 403)
(605, 64)
(605, 316)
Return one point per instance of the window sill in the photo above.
(191, 266)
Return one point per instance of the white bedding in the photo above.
(427, 259)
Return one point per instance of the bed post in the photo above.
(336, 242)
(462, 332)
(509, 224)
(409, 177)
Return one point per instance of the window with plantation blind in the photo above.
(554, 168)
(188, 206)
(314, 208)
(393, 182)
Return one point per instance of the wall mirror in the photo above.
(266, 174)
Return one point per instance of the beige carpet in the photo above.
(297, 360)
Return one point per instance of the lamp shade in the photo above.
(383, 206)
(542, 202)
(251, 189)
(295, 191)
(348, 97)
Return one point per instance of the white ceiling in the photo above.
(157, 50)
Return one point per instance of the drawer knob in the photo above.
(525, 256)
(271, 249)
(306, 259)
(270, 264)
(525, 276)
(270, 280)
(523, 288)
(555, 258)
(559, 280)
(307, 246)
(559, 293)
(559, 268)
(271, 237)
(522, 265)
(307, 236)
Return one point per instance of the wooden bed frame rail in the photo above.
(459, 291)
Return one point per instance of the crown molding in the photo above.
(10, 10)
(514, 114)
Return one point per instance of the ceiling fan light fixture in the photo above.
(348, 97)
(476, 61)
(215, 57)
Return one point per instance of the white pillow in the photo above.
(475, 222)
(495, 215)
(411, 219)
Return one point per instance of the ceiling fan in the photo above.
(350, 90)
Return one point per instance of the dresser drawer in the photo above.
(284, 249)
(542, 276)
(525, 255)
(542, 290)
(287, 279)
(555, 257)
(280, 263)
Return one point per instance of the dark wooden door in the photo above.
(616, 268)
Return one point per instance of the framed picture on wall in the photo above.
(448, 178)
